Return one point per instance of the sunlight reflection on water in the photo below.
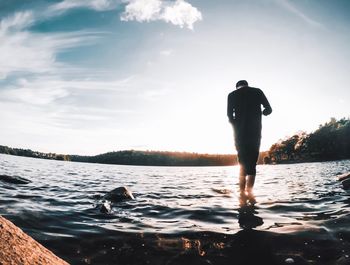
(62, 196)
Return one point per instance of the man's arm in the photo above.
(230, 109)
(267, 107)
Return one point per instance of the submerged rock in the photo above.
(345, 180)
(114, 196)
(119, 194)
(289, 261)
(16, 247)
(344, 176)
(346, 183)
(105, 207)
(14, 179)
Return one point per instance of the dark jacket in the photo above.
(244, 111)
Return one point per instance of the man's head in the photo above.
(241, 83)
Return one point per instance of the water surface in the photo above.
(180, 214)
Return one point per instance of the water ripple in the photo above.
(55, 200)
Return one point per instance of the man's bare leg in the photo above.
(250, 183)
(242, 182)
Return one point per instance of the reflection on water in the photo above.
(247, 213)
(178, 212)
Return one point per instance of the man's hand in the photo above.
(267, 111)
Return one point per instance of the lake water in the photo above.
(181, 215)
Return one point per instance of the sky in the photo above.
(92, 76)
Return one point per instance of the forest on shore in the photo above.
(140, 158)
(331, 141)
(134, 157)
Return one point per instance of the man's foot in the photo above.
(242, 198)
(251, 197)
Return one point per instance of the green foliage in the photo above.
(331, 141)
(30, 153)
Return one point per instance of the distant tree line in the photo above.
(133, 157)
(331, 141)
(157, 158)
(29, 153)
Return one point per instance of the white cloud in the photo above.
(17, 22)
(98, 5)
(179, 13)
(29, 93)
(291, 8)
(142, 10)
(21, 50)
(24, 51)
(43, 91)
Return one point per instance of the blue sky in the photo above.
(91, 76)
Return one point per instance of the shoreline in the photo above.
(156, 165)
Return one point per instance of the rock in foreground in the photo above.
(16, 247)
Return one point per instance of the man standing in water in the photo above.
(244, 113)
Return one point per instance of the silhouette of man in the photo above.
(244, 113)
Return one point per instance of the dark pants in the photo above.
(248, 151)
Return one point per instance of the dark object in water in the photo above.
(346, 183)
(105, 207)
(344, 176)
(119, 194)
(114, 196)
(14, 179)
(247, 218)
(345, 180)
